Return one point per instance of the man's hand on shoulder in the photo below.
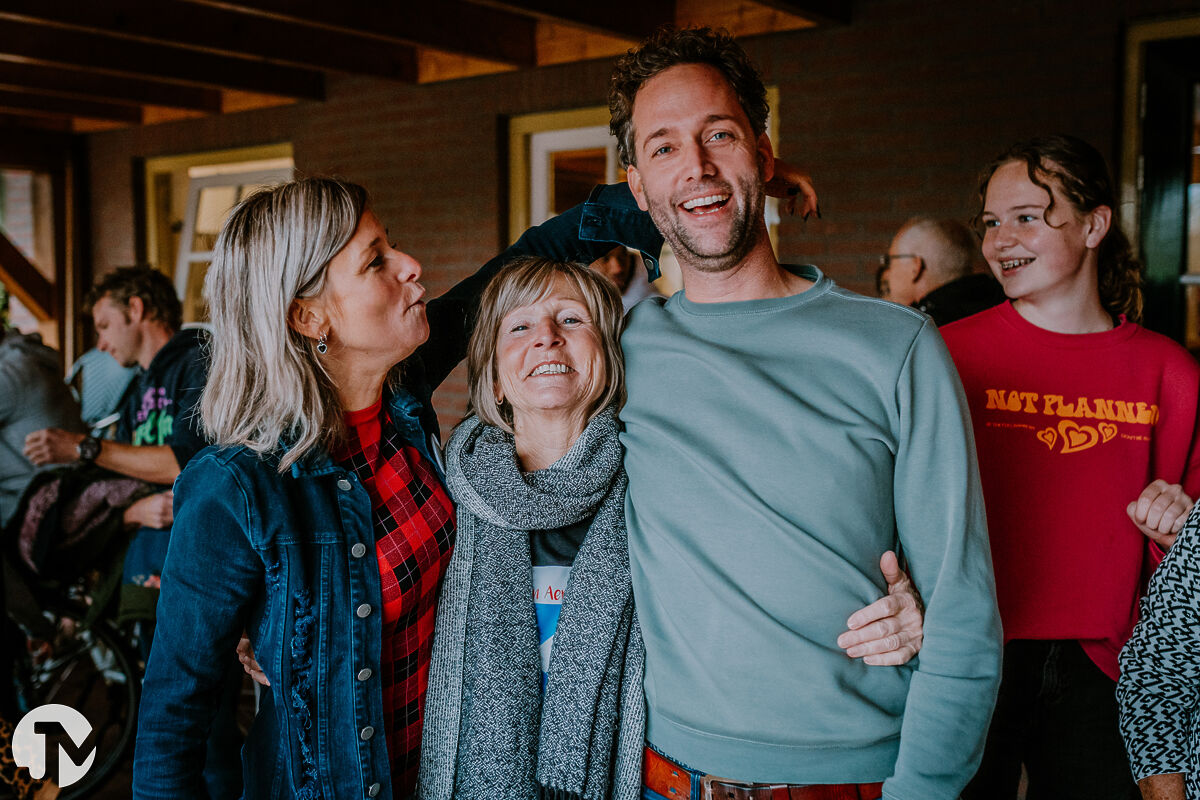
(889, 631)
(1160, 511)
(52, 446)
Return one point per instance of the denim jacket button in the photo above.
(343, 484)
(364, 611)
(367, 733)
(365, 674)
(358, 550)
(373, 789)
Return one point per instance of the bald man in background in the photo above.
(935, 266)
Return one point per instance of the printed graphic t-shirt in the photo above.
(1070, 428)
(161, 404)
(161, 407)
(552, 552)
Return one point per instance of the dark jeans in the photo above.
(1057, 715)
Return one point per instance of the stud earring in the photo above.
(323, 343)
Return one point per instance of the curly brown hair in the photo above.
(156, 291)
(669, 47)
(1080, 173)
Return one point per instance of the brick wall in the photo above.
(894, 114)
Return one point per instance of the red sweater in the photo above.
(1070, 429)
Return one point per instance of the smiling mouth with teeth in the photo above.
(1013, 263)
(550, 369)
(705, 205)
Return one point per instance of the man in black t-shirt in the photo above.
(138, 320)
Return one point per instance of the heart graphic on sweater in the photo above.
(1048, 437)
(1107, 431)
(1077, 437)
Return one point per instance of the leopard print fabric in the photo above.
(18, 778)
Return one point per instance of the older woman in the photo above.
(319, 524)
(536, 679)
(540, 490)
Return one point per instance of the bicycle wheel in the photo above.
(93, 671)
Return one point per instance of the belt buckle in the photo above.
(714, 788)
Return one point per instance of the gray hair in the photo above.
(525, 281)
(954, 250)
(267, 384)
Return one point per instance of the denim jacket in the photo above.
(290, 559)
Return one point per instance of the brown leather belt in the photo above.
(660, 774)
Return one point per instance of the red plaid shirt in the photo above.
(414, 534)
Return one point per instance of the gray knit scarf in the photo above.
(489, 735)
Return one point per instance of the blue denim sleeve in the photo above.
(610, 217)
(211, 575)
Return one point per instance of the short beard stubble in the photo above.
(746, 228)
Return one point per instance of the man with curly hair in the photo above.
(780, 433)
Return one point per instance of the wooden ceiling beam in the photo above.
(95, 85)
(217, 30)
(37, 124)
(626, 19)
(68, 107)
(20, 40)
(835, 12)
(449, 25)
(23, 279)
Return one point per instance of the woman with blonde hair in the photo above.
(535, 686)
(319, 523)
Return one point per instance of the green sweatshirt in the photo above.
(775, 449)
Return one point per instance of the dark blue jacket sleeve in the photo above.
(610, 217)
(211, 576)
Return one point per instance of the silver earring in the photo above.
(323, 343)
(499, 402)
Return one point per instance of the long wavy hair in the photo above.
(1078, 171)
(267, 385)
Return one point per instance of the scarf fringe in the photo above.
(548, 793)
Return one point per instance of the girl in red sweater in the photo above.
(1077, 411)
